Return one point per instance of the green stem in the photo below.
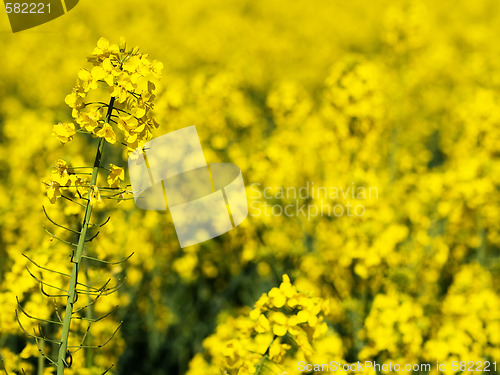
(41, 360)
(89, 352)
(78, 257)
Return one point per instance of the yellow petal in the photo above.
(279, 330)
(84, 75)
(103, 43)
(98, 73)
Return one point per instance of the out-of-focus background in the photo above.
(402, 97)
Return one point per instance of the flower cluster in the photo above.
(283, 322)
(129, 77)
(77, 184)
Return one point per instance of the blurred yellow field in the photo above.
(367, 135)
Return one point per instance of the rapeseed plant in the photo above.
(129, 78)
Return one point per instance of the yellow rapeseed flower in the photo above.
(64, 131)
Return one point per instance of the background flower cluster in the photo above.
(403, 96)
